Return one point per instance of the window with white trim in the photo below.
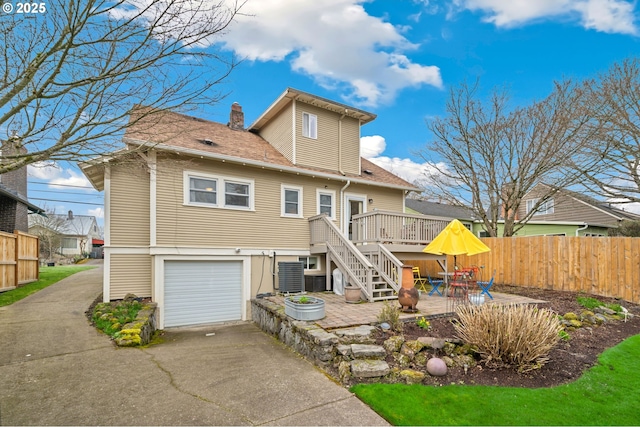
(218, 191)
(69, 243)
(310, 125)
(292, 201)
(310, 262)
(203, 191)
(326, 204)
(544, 209)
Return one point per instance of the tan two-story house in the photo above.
(201, 214)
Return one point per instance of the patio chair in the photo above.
(435, 284)
(418, 281)
(485, 286)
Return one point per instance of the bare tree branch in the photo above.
(71, 76)
(488, 155)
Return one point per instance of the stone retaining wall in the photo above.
(140, 331)
(306, 338)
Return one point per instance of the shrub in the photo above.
(513, 335)
(391, 315)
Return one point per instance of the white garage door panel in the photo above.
(197, 292)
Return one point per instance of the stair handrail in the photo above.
(359, 270)
(387, 259)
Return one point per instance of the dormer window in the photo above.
(310, 125)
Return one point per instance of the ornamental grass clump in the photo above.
(512, 335)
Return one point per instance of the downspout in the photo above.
(340, 147)
(581, 228)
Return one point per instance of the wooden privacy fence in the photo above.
(18, 259)
(605, 266)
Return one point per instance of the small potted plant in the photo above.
(303, 307)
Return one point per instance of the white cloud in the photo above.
(609, 16)
(334, 41)
(371, 148)
(59, 177)
(97, 212)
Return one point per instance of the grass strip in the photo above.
(48, 276)
(607, 394)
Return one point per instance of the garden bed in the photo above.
(567, 360)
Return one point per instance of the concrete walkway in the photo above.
(55, 369)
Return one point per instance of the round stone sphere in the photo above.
(436, 367)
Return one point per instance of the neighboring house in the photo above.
(202, 214)
(568, 213)
(440, 210)
(76, 234)
(14, 204)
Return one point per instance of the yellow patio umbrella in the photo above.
(454, 240)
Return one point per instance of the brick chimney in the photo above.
(236, 118)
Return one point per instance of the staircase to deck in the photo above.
(374, 269)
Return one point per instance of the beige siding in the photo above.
(183, 225)
(569, 209)
(279, 132)
(129, 210)
(130, 273)
(324, 152)
(351, 145)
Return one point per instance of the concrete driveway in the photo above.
(55, 369)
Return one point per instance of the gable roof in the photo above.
(179, 133)
(604, 207)
(77, 225)
(290, 94)
(440, 209)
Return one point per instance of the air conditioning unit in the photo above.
(291, 276)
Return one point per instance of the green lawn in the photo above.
(48, 276)
(607, 394)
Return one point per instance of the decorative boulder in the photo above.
(436, 367)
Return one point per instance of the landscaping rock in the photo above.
(604, 310)
(437, 367)
(344, 350)
(369, 368)
(365, 351)
(344, 371)
(358, 335)
(415, 345)
(394, 344)
(401, 359)
(431, 342)
(410, 376)
(570, 316)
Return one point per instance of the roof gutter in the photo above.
(265, 165)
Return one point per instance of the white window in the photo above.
(218, 191)
(310, 262)
(326, 204)
(69, 243)
(236, 194)
(203, 191)
(310, 125)
(544, 209)
(292, 201)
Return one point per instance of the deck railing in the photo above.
(396, 228)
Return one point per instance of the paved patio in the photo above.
(340, 314)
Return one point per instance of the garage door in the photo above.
(197, 292)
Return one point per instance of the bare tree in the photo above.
(72, 70)
(49, 230)
(487, 155)
(615, 103)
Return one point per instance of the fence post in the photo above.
(16, 279)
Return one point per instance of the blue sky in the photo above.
(397, 59)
